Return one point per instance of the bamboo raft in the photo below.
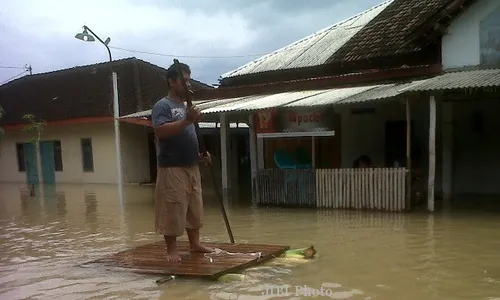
(230, 258)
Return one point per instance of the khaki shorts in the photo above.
(178, 200)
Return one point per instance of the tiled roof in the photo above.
(397, 29)
(85, 91)
(391, 28)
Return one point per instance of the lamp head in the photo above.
(85, 36)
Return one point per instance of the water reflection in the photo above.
(54, 201)
(361, 255)
(91, 214)
(31, 205)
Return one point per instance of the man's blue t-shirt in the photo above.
(179, 150)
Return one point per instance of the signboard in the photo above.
(290, 122)
(489, 38)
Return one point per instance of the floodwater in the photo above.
(361, 255)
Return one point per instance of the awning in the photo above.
(457, 80)
(310, 98)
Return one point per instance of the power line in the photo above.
(11, 67)
(186, 56)
(26, 67)
(288, 48)
(14, 77)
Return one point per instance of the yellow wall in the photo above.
(134, 151)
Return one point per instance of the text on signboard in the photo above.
(314, 117)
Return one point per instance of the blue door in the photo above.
(48, 163)
(31, 163)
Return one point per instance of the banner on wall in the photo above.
(489, 38)
(295, 122)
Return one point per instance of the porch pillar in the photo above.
(432, 153)
(224, 157)
(447, 138)
(260, 154)
(253, 155)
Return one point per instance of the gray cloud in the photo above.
(42, 32)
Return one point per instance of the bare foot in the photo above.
(173, 256)
(201, 248)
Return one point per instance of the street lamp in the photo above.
(86, 37)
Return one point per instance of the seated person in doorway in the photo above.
(364, 161)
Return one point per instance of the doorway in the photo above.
(395, 142)
(48, 162)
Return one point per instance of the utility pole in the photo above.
(28, 68)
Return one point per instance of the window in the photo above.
(58, 156)
(21, 164)
(87, 156)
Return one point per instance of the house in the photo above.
(464, 108)
(374, 84)
(78, 142)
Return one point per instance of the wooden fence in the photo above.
(374, 189)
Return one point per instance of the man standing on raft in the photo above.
(178, 196)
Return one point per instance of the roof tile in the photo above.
(84, 91)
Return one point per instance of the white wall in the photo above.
(460, 46)
(365, 133)
(134, 145)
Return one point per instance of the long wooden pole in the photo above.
(408, 154)
(432, 153)
(203, 150)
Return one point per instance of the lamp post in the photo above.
(86, 37)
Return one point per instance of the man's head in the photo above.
(174, 80)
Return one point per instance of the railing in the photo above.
(374, 189)
(286, 188)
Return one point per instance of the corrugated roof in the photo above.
(458, 79)
(141, 114)
(147, 113)
(352, 95)
(311, 98)
(330, 97)
(263, 101)
(380, 92)
(313, 50)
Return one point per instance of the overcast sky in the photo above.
(41, 33)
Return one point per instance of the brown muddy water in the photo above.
(361, 255)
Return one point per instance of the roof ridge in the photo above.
(74, 68)
(306, 38)
(95, 65)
